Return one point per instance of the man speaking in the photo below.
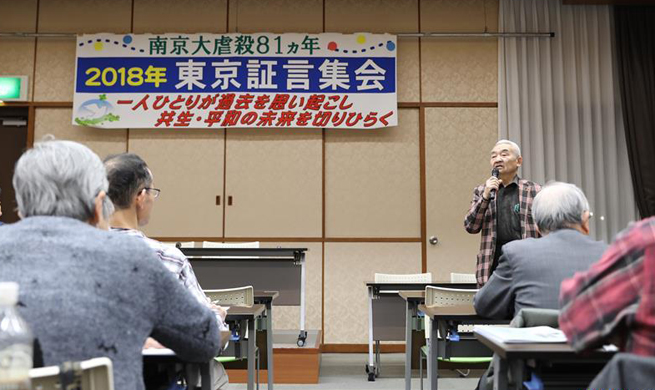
(501, 208)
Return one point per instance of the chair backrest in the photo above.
(211, 244)
(97, 374)
(442, 296)
(231, 245)
(403, 278)
(462, 278)
(240, 296)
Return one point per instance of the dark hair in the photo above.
(127, 174)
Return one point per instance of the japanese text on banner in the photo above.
(236, 80)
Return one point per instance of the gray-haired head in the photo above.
(59, 178)
(107, 208)
(559, 206)
(514, 145)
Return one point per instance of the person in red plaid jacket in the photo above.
(501, 208)
(614, 301)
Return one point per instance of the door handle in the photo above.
(433, 240)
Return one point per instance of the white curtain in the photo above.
(559, 100)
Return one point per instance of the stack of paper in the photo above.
(537, 334)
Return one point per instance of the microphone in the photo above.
(494, 172)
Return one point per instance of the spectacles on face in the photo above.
(154, 191)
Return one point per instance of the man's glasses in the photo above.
(154, 191)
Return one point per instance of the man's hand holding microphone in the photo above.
(492, 184)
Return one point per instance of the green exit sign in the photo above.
(13, 88)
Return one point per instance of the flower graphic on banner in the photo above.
(96, 111)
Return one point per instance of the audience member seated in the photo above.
(626, 371)
(614, 301)
(132, 193)
(86, 292)
(530, 271)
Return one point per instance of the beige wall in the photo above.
(353, 198)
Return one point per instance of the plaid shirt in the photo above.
(178, 264)
(615, 299)
(482, 217)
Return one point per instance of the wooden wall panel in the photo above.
(408, 72)
(180, 16)
(372, 181)
(458, 143)
(274, 177)
(57, 122)
(85, 16)
(459, 69)
(17, 58)
(459, 16)
(348, 266)
(187, 166)
(55, 70)
(18, 16)
(279, 16)
(374, 16)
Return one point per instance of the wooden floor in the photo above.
(345, 371)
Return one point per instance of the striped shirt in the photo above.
(175, 261)
(614, 301)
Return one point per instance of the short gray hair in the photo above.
(558, 206)
(513, 144)
(59, 178)
(107, 208)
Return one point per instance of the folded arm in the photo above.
(184, 324)
(598, 302)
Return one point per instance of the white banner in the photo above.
(236, 80)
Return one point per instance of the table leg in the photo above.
(302, 337)
(252, 345)
(206, 375)
(408, 345)
(433, 366)
(516, 370)
(269, 342)
(500, 373)
(371, 364)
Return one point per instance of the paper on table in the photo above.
(537, 334)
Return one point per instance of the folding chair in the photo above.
(240, 296)
(403, 278)
(373, 366)
(442, 297)
(93, 374)
(462, 278)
